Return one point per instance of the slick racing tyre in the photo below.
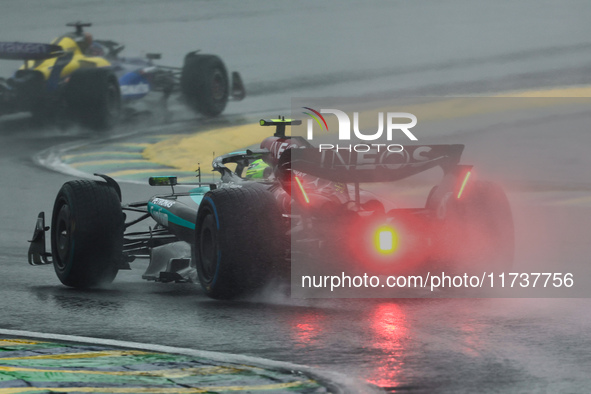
(94, 98)
(478, 229)
(239, 240)
(87, 234)
(204, 84)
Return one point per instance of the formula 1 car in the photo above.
(278, 203)
(87, 80)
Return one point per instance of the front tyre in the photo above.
(239, 240)
(87, 234)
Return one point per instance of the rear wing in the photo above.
(29, 51)
(373, 166)
(280, 124)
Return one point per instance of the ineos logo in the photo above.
(376, 159)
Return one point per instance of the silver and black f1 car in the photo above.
(85, 79)
(236, 234)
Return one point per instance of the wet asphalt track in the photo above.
(421, 345)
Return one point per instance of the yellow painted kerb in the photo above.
(114, 353)
(156, 390)
(166, 373)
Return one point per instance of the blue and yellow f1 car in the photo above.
(87, 80)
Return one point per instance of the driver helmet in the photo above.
(91, 47)
(84, 41)
(88, 39)
(258, 169)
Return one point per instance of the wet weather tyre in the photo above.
(87, 234)
(240, 240)
(479, 229)
(94, 98)
(204, 84)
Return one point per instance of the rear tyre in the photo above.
(94, 98)
(478, 229)
(204, 84)
(240, 240)
(87, 234)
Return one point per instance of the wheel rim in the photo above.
(63, 236)
(208, 248)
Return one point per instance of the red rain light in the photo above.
(386, 239)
